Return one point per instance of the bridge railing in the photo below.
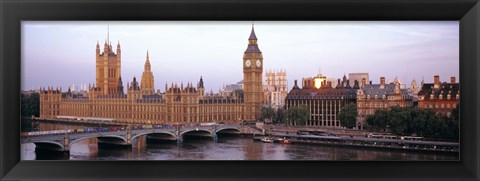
(118, 129)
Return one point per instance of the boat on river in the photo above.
(267, 140)
(285, 141)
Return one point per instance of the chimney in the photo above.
(370, 82)
(452, 80)
(382, 82)
(436, 81)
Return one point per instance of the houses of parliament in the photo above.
(179, 103)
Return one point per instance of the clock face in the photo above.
(259, 63)
(248, 63)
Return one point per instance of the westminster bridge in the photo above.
(63, 141)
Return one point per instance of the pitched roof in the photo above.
(374, 89)
(443, 90)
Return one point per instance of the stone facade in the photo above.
(178, 104)
(275, 89)
(252, 79)
(108, 68)
(440, 97)
(372, 97)
(324, 103)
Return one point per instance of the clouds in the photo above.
(184, 51)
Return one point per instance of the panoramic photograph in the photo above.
(240, 90)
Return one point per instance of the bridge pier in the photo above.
(129, 137)
(179, 139)
(66, 144)
(215, 137)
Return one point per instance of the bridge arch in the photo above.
(173, 136)
(49, 145)
(197, 131)
(237, 130)
(99, 137)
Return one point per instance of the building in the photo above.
(440, 97)
(229, 89)
(372, 97)
(108, 68)
(414, 89)
(252, 79)
(319, 81)
(179, 103)
(333, 81)
(395, 80)
(324, 103)
(275, 89)
(361, 78)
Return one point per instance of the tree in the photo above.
(378, 121)
(422, 122)
(348, 115)
(30, 105)
(280, 115)
(268, 113)
(398, 120)
(297, 115)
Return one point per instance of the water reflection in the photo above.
(231, 148)
(227, 147)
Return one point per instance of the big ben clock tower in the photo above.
(252, 79)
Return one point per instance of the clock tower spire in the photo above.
(252, 77)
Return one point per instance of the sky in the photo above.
(60, 53)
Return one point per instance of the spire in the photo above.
(252, 34)
(201, 82)
(147, 63)
(252, 43)
(120, 86)
(421, 83)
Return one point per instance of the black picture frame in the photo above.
(12, 12)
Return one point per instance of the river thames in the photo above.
(226, 148)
